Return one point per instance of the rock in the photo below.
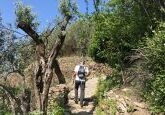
(141, 105)
(125, 89)
(125, 104)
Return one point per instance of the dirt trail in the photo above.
(122, 96)
(95, 69)
(88, 107)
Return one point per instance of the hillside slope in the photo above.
(127, 102)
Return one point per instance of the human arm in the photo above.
(73, 77)
(74, 74)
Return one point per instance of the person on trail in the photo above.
(79, 77)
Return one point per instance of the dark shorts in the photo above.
(78, 84)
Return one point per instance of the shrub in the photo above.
(57, 107)
(106, 106)
(155, 87)
(156, 50)
(112, 81)
(4, 110)
(57, 110)
(155, 93)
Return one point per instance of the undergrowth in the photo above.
(107, 106)
(57, 108)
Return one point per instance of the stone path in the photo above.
(88, 108)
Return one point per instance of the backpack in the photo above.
(81, 72)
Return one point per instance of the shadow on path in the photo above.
(87, 101)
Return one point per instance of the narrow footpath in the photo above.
(88, 108)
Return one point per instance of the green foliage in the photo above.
(130, 108)
(96, 4)
(112, 81)
(57, 107)
(120, 27)
(78, 37)
(57, 110)
(155, 93)
(15, 90)
(99, 111)
(36, 112)
(155, 87)
(14, 53)
(25, 50)
(7, 49)
(4, 102)
(24, 13)
(67, 7)
(107, 107)
(4, 110)
(156, 50)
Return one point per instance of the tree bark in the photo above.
(45, 66)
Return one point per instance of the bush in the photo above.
(107, 107)
(118, 31)
(4, 110)
(155, 93)
(156, 50)
(57, 107)
(112, 81)
(78, 38)
(57, 110)
(155, 87)
(105, 44)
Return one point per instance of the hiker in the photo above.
(80, 74)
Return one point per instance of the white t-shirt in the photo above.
(76, 69)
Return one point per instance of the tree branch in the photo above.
(141, 3)
(40, 48)
(58, 44)
(161, 3)
(13, 100)
(18, 104)
(8, 92)
(49, 32)
(27, 29)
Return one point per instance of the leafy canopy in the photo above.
(24, 13)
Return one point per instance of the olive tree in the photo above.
(46, 62)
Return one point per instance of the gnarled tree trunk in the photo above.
(45, 66)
